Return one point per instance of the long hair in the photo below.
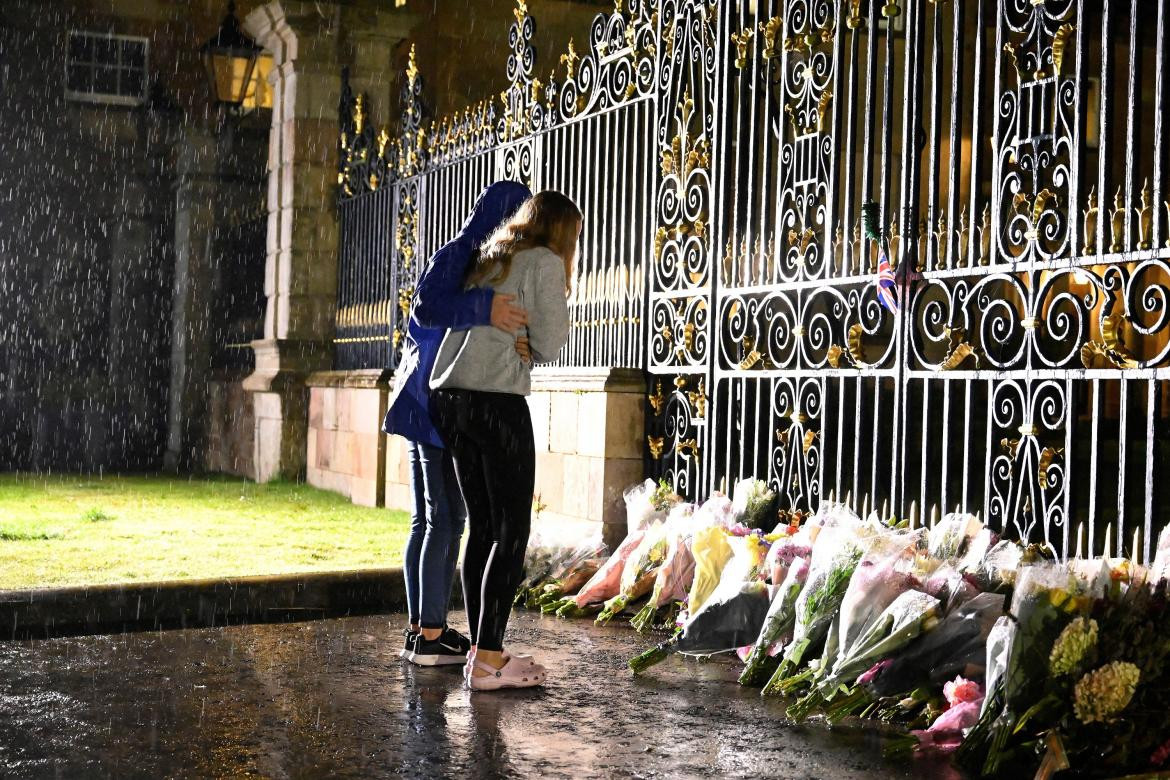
(546, 219)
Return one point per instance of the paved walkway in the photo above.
(331, 698)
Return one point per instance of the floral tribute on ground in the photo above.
(974, 646)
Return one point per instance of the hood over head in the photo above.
(496, 203)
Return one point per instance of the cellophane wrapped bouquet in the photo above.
(727, 618)
(1019, 665)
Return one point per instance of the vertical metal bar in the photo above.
(840, 434)
(857, 439)
(925, 438)
(869, 118)
(1148, 530)
(1095, 416)
(955, 153)
(1077, 158)
(1122, 466)
(847, 210)
(1159, 130)
(932, 197)
(944, 443)
(1130, 124)
(988, 415)
(965, 462)
(887, 112)
(1103, 156)
(976, 134)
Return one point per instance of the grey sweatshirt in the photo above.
(484, 357)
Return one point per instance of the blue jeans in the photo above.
(436, 527)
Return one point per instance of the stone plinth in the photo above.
(588, 425)
(345, 452)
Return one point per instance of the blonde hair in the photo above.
(546, 219)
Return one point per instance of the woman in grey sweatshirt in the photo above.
(479, 385)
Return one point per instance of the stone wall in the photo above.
(345, 450)
(588, 426)
(231, 427)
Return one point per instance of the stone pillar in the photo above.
(301, 262)
(195, 197)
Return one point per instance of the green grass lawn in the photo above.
(73, 530)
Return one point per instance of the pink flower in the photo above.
(946, 733)
(1161, 754)
(872, 672)
(960, 690)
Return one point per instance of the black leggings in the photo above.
(490, 437)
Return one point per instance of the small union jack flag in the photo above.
(886, 285)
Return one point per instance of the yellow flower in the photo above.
(1071, 647)
(1104, 692)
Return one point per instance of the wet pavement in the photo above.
(331, 698)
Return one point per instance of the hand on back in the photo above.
(506, 315)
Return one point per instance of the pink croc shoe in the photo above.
(516, 673)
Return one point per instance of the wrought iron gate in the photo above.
(722, 151)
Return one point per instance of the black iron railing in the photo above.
(722, 152)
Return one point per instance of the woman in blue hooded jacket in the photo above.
(441, 302)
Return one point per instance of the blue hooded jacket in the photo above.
(441, 302)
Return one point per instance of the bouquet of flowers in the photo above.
(788, 548)
(882, 575)
(673, 577)
(834, 559)
(647, 502)
(604, 584)
(778, 623)
(1047, 598)
(1097, 696)
(911, 613)
(711, 551)
(754, 502)
(732, 615)
(894, 686)
(949, 538)
(559, 570)
(639, 573)
(963, 698)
